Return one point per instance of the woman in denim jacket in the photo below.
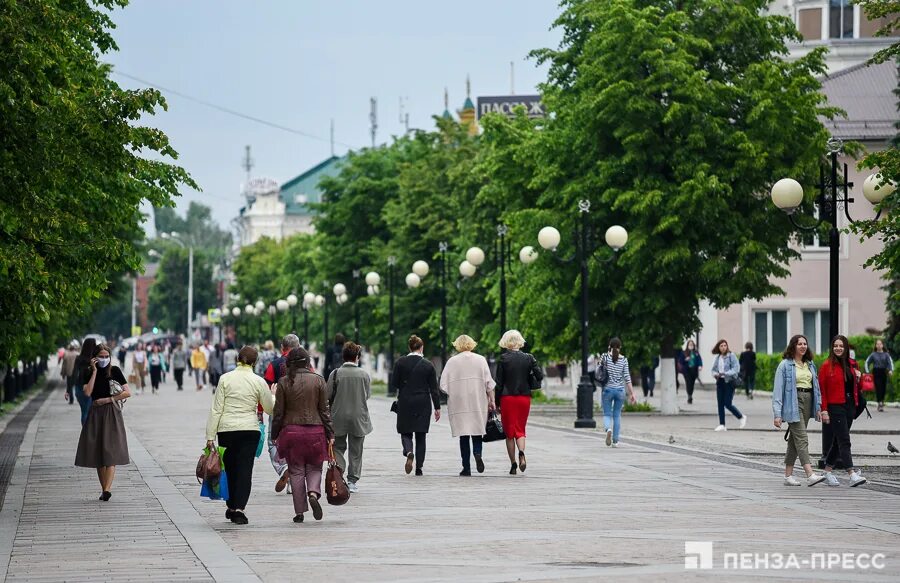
(795, 398)
(725, 370)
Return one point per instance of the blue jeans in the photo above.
(724, 396)
(464, 449)
(613, 400)
(83, 401)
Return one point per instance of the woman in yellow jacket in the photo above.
(198, 365)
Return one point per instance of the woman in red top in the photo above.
(839, 381)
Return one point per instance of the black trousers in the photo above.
(841, 420)
(179, 377)
(240, 451)
(407, 440)
(690, 377)
(70, 386)
(155, 375)
(879, 375)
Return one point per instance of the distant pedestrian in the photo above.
(83, 375)
(302, 428)
(198, 365)
(333, 355)
(518, 373)
(266, 355)
(839, 380)
(725, 370)
(467, 381)
(139, 366)
(415, 381)
(68, 371)
(648, 377)
(747, 363)
(562, 369)
(613, 393)
(157, 362)
(348, 389)
(882, 366)
(229, 358)
(233, 419)
(207, 352)
(103, 444)
(216, 365)
(693, 364)
(274, 372)
(179, 361)
(795, 398)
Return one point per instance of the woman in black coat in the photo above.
(415, 381)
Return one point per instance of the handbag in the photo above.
(217, 491)
(395, 407)
(209, 466)
(867, 382)
(534, 383)
(861, 406)
(493, 430)
(336, 490)
(115, 389)
(262, 439)
(603, 372)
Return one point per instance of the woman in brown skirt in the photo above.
(102, 444)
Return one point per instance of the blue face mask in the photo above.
(103, 362)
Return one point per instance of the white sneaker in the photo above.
(608, 437)
(743, 421)
(720, 428)
(831, 480)
(856, 479)
(615, 444)
(791, 481)
(814, 479)
(353, 487)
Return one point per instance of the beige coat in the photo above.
(467, 381)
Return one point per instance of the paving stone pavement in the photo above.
(581, 512)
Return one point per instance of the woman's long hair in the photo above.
(297, 360)
(791, 349)
(842, 361)
(615, 345)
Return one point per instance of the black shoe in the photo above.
(298, 519)
(238, 517)
(105, 496)
(229, 513)
(418, 471)
(512, 470)
(690, 400)
(465, 472)
(316, 507)
(409, 462)
(522, 464)
(479, 464)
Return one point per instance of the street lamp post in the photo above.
(322, 302)
(292, 302)
(616, 237)
(309, 300)
(787, 194)
(248, 313)
(236, 312)
(260, 309)
(355, 290)
(282, 306)
(175, 237)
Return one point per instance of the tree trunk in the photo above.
(669, 399)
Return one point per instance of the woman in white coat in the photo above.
(467, 381)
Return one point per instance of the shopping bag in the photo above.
(210, 465)
(217, 491)
(493, 431)
(262, 439)
(867, 382)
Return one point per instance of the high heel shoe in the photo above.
(512, 470)
(522, 464)
(105, 496)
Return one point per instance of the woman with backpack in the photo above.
(839, 380)
(726, 370)
(614, 367)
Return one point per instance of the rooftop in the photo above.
(865, 93)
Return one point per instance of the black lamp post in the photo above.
(292, 301)
(616, 237)
(834, 196)
(414, 279)
(272, 311)
(392, 262)
(259, 311)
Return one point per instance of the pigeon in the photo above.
(672, 440)
(892, 448)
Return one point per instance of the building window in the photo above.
(818, 239)
(840, 19)
(771, 330)
(815, 328)
(810, 23)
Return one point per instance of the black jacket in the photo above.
(514, 371)
(417, 391)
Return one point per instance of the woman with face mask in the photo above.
(102, 444)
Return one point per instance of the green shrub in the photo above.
(541, 397)
(637, 408)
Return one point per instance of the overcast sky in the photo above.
(301, 63)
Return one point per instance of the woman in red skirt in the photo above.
(518, 373)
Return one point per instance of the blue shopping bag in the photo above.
(262, 439)
(218, 491)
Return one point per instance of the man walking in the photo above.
(348, 389)
(67, 370)
(179, 360)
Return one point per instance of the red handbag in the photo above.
(867, 382)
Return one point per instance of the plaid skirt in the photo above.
(102, 442)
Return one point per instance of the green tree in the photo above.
(168, 295)
(74, 169)
(672, 119)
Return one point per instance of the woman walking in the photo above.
(348, 388)
(216, 365)
(102, 444)
(747, 363)
(839, 380)
(467, 381)
(233, 419)
(301, 426)
(693, 364)
(881, 368)
(83, 375)
(518, 373)
(795, 398)
(198, 365)
(415, 381)
(179, 361)
(725, 370)
(157, 362)
(139, 366)
(229, 359)
(613, 393)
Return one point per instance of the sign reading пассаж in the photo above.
(504, 104)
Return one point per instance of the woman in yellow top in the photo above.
(198, 365)
(233, 418)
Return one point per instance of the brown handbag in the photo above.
(209, 466)
(336, 491)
